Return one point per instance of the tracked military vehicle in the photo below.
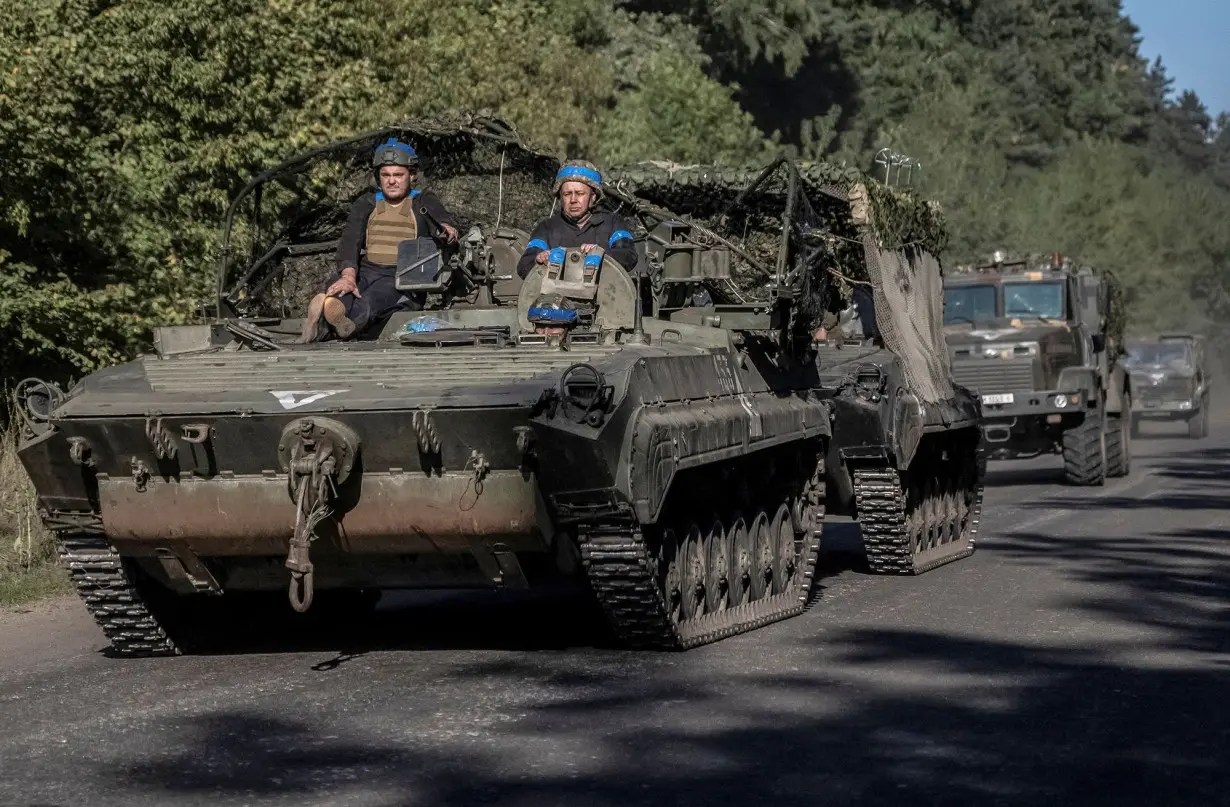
(1171, 381)
(672, 435)
(1041, 341)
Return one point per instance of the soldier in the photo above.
(579, 223)
(367, 251)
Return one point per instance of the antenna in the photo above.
(499, 205)
(893, 163)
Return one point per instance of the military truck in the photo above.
(670, 439)
(1041, 342)
(1171, 381)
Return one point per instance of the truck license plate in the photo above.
(1002, 398)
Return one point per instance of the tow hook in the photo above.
(317, 455)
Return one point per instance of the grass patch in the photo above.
(28, 568)
(34, 583)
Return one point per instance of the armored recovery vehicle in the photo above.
(1171, 380)
(674, 440)
(1041, 342)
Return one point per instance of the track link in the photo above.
(624, 573)
(110, 597)
(889, 534)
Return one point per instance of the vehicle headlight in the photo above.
(1061, 401)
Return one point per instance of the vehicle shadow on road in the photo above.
(1117, 692)
(1003, 474)
(559, 616)
(862, 715)
(1194, 479)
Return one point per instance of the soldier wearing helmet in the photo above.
(364, 290)
(579, 222)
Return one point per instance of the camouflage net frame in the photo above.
(481, 169)
(840, 219)
(840, 227)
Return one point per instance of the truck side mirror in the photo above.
(1099, 342)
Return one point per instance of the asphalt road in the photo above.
(1081, 656)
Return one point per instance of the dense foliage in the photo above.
(126, 126)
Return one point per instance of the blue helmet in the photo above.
(579, 171)
(395, 152)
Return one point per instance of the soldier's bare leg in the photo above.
(335, 315)
(311, 320)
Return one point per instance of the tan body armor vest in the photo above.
(387, 226)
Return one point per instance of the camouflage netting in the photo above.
(1116, 314)
(846, 229)
(830, 214)
(909, 300)
(482, 171)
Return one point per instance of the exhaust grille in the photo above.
(989, 376)
(1170, 389)
(406, 368)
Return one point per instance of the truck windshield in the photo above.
(968, 303)
(1158, 354)
(1034, 300)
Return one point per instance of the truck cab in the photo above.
(1170, 376)
(1036, 344)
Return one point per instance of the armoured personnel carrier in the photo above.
(1041, 341)
(673, 440)
(1171, 381)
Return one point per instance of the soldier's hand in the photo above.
(587, 247)
(541, 257)
(450, 233)
(345, 285)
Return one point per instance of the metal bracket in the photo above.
(310, 435)
(892, 160)
(79, 452)
(140, 474)
(525, 438)
(186, 571)
(161, 439)
(425, 431)
(196, 433)
(480, 466)
(870, 381)
(500, 565)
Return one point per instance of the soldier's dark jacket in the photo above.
(378, 227)
(604, 228)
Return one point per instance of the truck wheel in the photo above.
(1084, 451)
(1119, 442)
(1198, 425)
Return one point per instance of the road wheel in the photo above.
(1197, 425)
(1084, 451)
(1119, 441)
